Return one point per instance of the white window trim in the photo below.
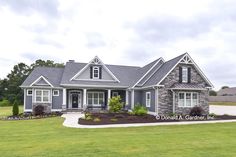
(57, 92)
(98, 98)
(186, 99)
(96, 68)
(115, 93)
(49, 98)
(28, 92)
(186, 70)
(148, 101)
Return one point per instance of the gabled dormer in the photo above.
(95, 70)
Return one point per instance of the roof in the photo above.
(151, 74)
(53, 75)
(187, 86)
(227, 91)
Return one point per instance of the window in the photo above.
(29, 92)
(42, 96)
(95, 72)
(187, 99)
(184, 74)
(148, 99)
(56, 93)
(95, 98)
(115, 94)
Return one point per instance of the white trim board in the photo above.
(91, 62)
(194, 64)
(38, 79)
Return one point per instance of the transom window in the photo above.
(42, 96)
(187, 99)
(184, 74)
(148, 99)
(95, 72)
(95, 98)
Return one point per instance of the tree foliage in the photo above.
(9, 86)
(224, 87)
(212, 93)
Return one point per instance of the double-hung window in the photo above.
(95, 72)
(184, 74)
(187, 99)
(148, 99)
(42, 96)
(95, 98)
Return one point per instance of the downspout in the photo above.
(173, 92)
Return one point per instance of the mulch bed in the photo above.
(125, 118)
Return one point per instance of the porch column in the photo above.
(132, 99)
(64, 99)
(108, 97)
(84, 98)
(126, 97)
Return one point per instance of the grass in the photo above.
(223, 103)
(48, 138)
(7, 111)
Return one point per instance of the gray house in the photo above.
(163, 87)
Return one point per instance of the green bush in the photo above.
(97, 120)
(15, 109)
(139, 110)
(5, 102)
(115, 104)
(113, 120)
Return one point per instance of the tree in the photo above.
(224, 87)
(212, 93)
(115, 104)
(48, 63)
(15, 109)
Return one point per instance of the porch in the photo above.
(81, 99)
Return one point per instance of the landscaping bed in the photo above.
(128, 118)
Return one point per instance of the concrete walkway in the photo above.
(71, 120)
(221, 110)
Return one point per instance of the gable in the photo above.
(95, 70)
(41, 81)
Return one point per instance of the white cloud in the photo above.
(120, 32)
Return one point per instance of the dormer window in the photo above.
(184, 74)
(95, 72)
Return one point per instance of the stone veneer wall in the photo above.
(47, 106)
(165, 97)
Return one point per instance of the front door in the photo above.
(75, 100)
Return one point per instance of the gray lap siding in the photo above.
(140, 97)
(57, 100)
(28, 102)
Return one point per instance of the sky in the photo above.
(123, 32)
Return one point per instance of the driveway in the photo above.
(220, 110)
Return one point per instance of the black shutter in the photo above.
(189, 75)
(180, 74)
(91, 72)
(100, 72)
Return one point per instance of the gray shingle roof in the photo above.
(53, 75)
(163, 70)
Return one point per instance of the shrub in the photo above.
(212, 115)
(5, 102)
(139, 110)
(196, 111)
(115, 104)
(113, 119)
(97, 120)
(39, 110)
(15, 109)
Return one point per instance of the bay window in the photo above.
(187, 99)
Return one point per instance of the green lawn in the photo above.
(48, 138)
(7, 111)
(223, 103)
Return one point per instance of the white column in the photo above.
(132, 99)
(126, 97)
(25, 98)
(84, 98)
(64, 99)
(156, 100)
(108, 97)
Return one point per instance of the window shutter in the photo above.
(100, 72)
(189, 75)
(91, 72)
(180, 74)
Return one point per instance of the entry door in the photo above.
(75, 100)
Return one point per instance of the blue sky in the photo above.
(121, 32)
